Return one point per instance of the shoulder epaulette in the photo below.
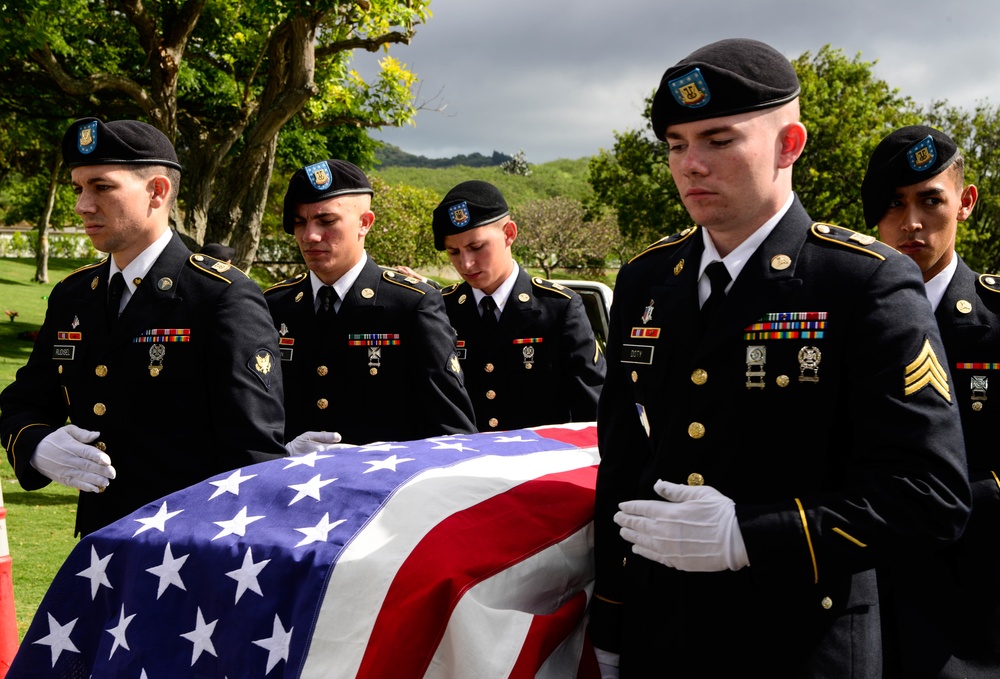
(216, 268)
(860, 242)
(990, 281)
(286, 283)
(448, 289)
(548, 285)
(405, 281)
(668, 241)
(86, 267)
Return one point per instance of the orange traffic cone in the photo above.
(8, 619)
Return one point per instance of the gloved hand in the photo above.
(65, 457)
(694, 530)
(607, 662)
(313, 441)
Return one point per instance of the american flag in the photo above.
(458, 556)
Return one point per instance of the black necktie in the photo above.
(327, 306)
(719, 277)
(489, 308)
(115, 289)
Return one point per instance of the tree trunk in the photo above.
(42, 254)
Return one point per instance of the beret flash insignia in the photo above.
(459, 214)
(319, 175)
(690, 89)
(86, 139)
(922, 154)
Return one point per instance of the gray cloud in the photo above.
(558, 78)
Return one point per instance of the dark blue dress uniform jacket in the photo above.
(385, 371)
(541, 366)
(214, 403)
(840, 450)
(945, 608)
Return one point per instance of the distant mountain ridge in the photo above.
(393, 156)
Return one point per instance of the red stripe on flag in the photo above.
(581, 438)
(463, 550)
(545, 634)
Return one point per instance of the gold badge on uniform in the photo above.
(862, 238)
(980, 383)
(809, 358)
(461, 299)
(222, 267)
(925, 370)
(756, 358)
(964, 306)
(367, 293)
(298, 297)
(374, 359)
(454, 365)
(529, 356)
(94, 283)
(164, 283)
(678, 267)
(261, 364)
(781, 262)
(156, 354)
(524, 297)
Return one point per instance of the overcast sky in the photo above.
(557, 79)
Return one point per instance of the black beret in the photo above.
(320, 181)
(468, 205)
(88, 141)
(722, 79)
(219, 251)
(907, 156)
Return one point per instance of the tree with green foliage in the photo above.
(555, 233)
(518, 165)
(846, 111)
(220, 78)
(401, 234)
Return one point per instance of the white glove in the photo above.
(607, 662)
(65, 457)
(313, 441)
(694, 530)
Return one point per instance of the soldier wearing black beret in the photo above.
(526, 345)
(354, 337)
(164, 362)
(777, 419)
(915, 193)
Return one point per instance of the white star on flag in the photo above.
(451, 446)
(309, 460)
(512, 439)
(97, 572)
(388, 463)
(230, 484)
(201, 637)
(118, 632)
(319, 532)
(58, 638)
(246, 575)
(378, 447)
(236, 525)
(158, 520)
(276, 645)
(169, 571)
(309, 489)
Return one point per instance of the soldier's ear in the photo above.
(791, 142)
(509, 233)
(970, 194)
(159, 190)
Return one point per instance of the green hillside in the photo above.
(556, 178)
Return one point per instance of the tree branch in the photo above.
(370, 44)
(97, 82)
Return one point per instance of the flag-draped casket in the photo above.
(459, 556)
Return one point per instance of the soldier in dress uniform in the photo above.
(165, 362)
(528, 349)
(776, 419)
(941, 613)
(354, 337)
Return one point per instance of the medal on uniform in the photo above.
(756, 357)
(647, 314)
(284, 330)
(980, 383)
(809, 358)
(156, 354)
(529, 356)
(76, 323)
(374, 359)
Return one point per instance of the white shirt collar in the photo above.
(342, 285)
(140, 266)
(502, 292)
(937, 286)
(737, 259)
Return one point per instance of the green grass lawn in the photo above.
(40, 523)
